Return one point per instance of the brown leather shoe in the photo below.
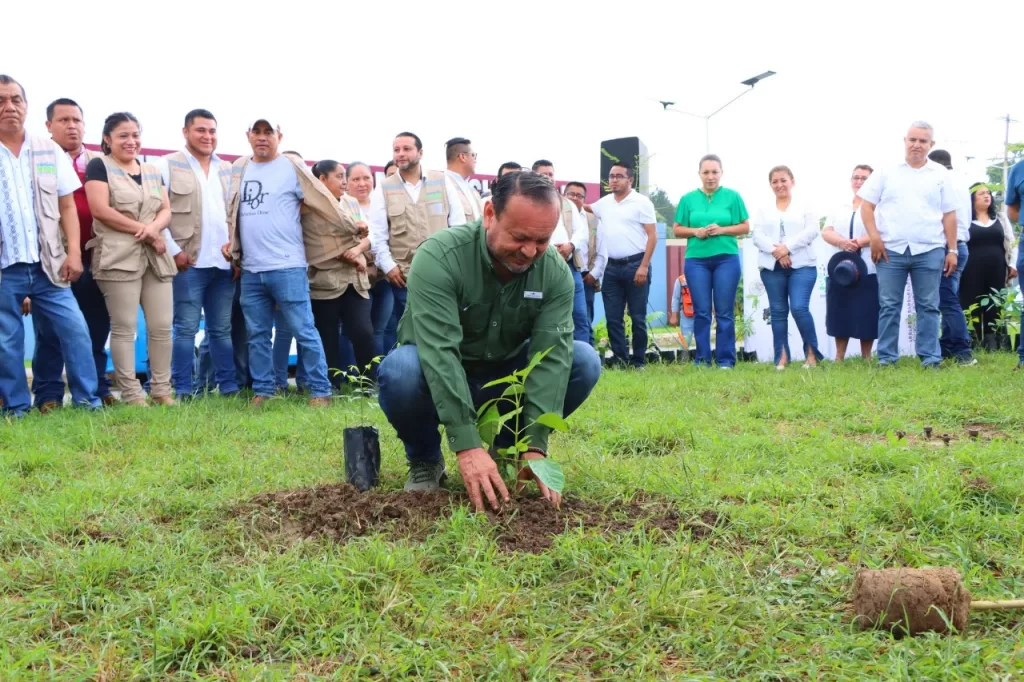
(319, 402)
(49, 406)
(109, 401)
(137, 402)
(258, 400)
(165, 400)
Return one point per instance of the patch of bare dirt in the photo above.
(340, 512)
(986, 432)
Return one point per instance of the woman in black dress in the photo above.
(989, 263)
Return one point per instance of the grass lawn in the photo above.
(120, 558)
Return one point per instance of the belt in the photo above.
(628, 259)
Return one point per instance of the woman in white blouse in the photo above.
(783, 234)
(852, 312)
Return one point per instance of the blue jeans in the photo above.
(618, 290)
(714, 281)
(239, 347)
(288, 289)
(47, 360)
(1020, 283)
(925, 271)
(405, 396)
(955, 341)
(63, 318)
(283, 337)
(382, 304)
(206, 291)
(790, 289)
(390, 335)
(580, 316)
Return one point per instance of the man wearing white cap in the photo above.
(280, 220)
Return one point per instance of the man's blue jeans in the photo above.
(288, 289)
(714, 281)
(390, 335)
(955, 341)
(206, 292)
(283, 337)
(618, 290)
(925, 271)
(382, 305)
(789, 289)
(47, 360)
(239, 346)
(405, 397)
(589, 293)
(63, 317)
(1020, 283)
(580, 316)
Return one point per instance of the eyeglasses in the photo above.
(617, 176)
(575, 195)
(862, 178)
(473, 154)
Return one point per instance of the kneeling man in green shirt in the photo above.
(482, 299)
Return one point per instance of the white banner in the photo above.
(755, 310)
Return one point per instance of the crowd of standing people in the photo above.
(266, 250)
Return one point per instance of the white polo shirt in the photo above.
(623, 222)
(910, 204)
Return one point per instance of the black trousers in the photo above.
(353, 311)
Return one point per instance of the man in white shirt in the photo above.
(909, 213)
(628, 219)
(592, 253)
(463, 199)
(955, 340)
(570, 239)
(40, 255)
(198, 183)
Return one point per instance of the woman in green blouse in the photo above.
(711, 218)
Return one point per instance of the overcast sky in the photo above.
(533, 79)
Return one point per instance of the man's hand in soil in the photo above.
(480, 473)
(526, 474)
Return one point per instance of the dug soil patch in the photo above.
(530, 524)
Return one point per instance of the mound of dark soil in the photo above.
(340, 512)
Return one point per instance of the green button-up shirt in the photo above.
(463, 319)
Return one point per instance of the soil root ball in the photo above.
(910, 600)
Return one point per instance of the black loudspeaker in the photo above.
(625, 150)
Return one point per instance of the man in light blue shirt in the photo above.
(269, 204)
(909, 212)
(1014, 192)
(37, 217)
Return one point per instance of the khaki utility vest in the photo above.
(328, 229)
(118, 256)
(592, 221)
(568, 211)
(46, 207)
(470, 201)
(409, 224)
(186, 198)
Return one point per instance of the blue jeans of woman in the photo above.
(713, 282)
(789, 290)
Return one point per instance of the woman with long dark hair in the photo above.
(130, 261)
(990, 264)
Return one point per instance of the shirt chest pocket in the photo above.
(474, 318)
(126, 202)
(517, 321)
(180, 194)
(48, 196)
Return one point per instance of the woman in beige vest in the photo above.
(340, 294)
(130, 262)
(382, 299)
